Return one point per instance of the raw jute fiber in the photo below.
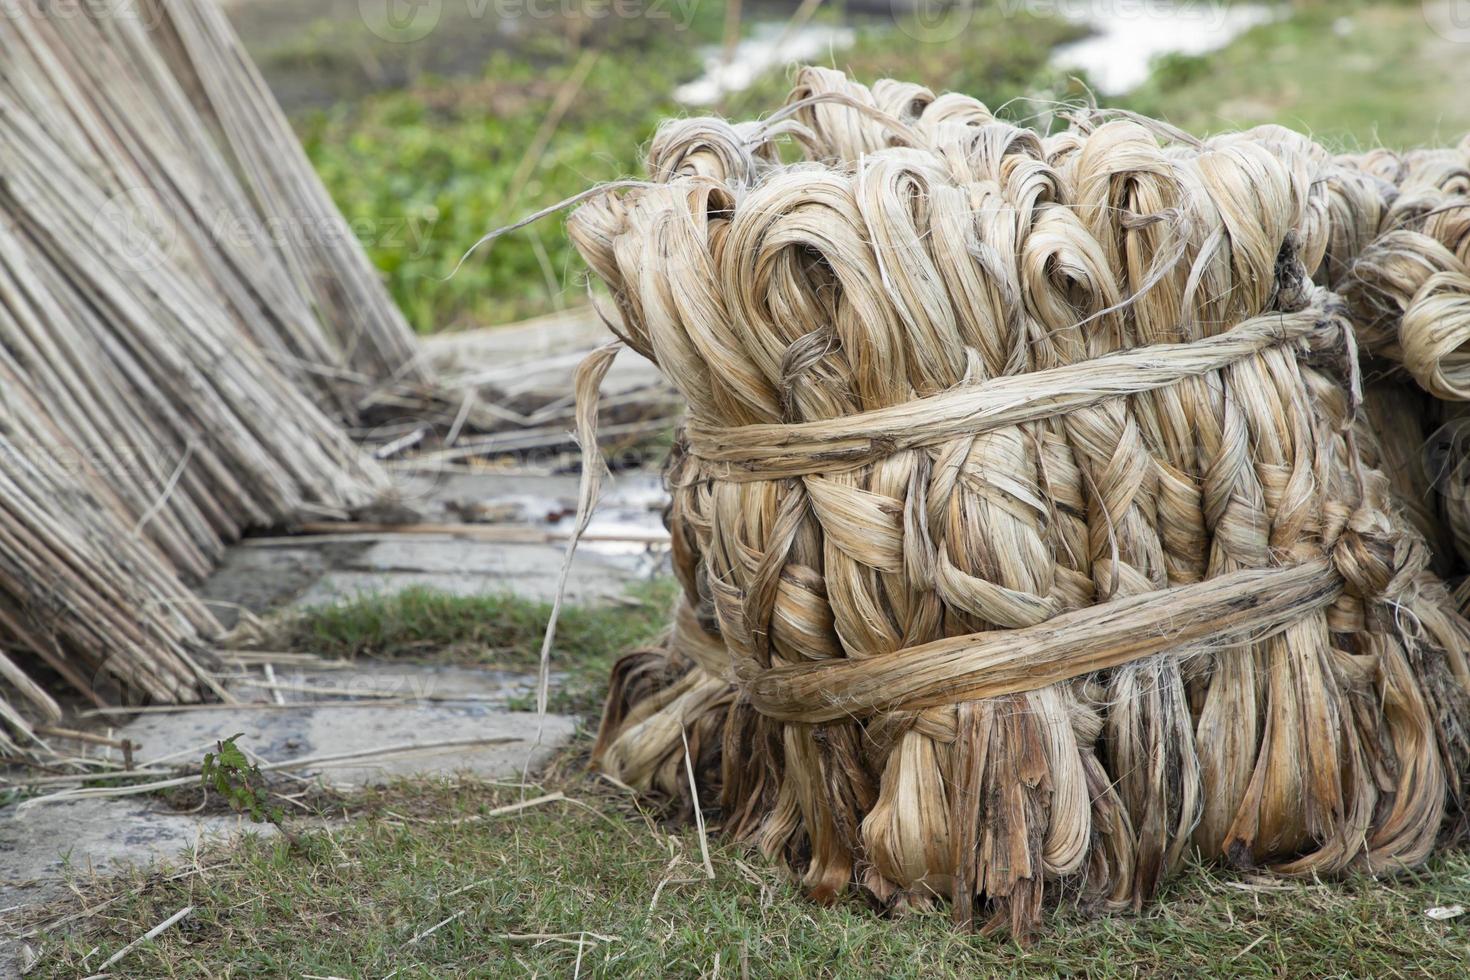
(1026, 543)
(1400, 256)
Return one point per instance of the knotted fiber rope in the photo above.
(1025, 539)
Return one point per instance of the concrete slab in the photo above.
(537, 356)
(261, 580)
(277, 734)
(38, 844)
(310, 572)
(41, 848)
(469, 568)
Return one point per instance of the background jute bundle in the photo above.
(185, 324)
(1400, 256)
(1026, 542)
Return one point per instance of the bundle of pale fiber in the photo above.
(1025, 541)
(1400, 257)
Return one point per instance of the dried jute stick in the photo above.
(1025, 539)
(175, 343)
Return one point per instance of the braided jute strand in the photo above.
(1025, 540)
(771, 451)
(1231, 608)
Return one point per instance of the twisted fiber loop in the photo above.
(1024, 537)
(1399, 252)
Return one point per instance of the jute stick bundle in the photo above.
(159, 383)
(160, 106)
(1025, 540)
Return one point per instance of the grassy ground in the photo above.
(350, 900)
(1353, 74)
(489, 631)
(435, 878)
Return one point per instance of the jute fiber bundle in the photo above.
(1401, 229)
(1025, 542)
(149, 413)
(1399, 253)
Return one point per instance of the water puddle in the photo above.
(1129, 34)
(769, 45)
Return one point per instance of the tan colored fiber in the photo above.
(178, 346)
(1025, 540)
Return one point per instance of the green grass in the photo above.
(499, 631)
(1354, 74)
(350, 899)
(423, 172)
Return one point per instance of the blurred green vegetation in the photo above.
(445, 155)
(425, 164)
(424, 171)
(1354, 74)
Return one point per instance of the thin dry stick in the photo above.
(148, 936)
(709, 868)
(437, 926)
(323, 761)
(270, 679)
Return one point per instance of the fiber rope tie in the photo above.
(1370, 561)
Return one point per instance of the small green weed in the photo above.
(241, 784)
